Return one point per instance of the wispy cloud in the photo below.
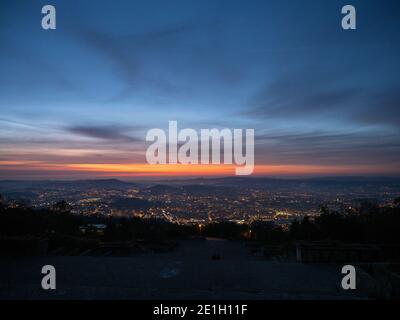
(103, 133)
(326, 96)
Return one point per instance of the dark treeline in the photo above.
(150, 230)
(42, 223)
(379, 225)
(368, 224)
(374, 225)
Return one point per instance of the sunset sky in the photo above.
(77, 102)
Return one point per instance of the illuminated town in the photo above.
(277, 201)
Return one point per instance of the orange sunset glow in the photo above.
(180, 170)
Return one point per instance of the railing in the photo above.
(323, 253)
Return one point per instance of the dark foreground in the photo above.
(187, 273)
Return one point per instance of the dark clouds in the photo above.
(317, 95)
(324, 148)
(381, 108)
(125, 51)
(328, 120)
(173, 60)
(314, 93)
(102, 132)
(300, 94)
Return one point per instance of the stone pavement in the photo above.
(187, 273)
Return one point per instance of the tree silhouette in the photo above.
(62, 207)
(1, 203)
(295, 229)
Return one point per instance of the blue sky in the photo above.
(88, 92)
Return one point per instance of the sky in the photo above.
(77, 101)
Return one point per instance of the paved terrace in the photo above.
(186, 273)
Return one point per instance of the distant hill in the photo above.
(192, 189)
(207, 187)
(18, 186)
(266, 181)
(371, 185)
